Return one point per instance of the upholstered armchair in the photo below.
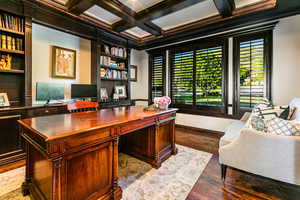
(265, 154)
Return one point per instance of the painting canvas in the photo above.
(63, 63)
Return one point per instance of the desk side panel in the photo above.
(89, 173)
(40, 172)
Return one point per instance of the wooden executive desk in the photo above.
(75, 156)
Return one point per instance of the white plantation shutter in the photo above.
(209, 78)
(157, 75)
(182, 78)
(252, 72)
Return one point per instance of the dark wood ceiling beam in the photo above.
(225, 7)
(77, 7)
(128, 15)
(156, 11)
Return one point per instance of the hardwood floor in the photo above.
(12, 166)
(239, 185)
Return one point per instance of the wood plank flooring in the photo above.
(239, 185)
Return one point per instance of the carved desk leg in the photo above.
(25, 185)
(56, 185)
(156, 162)
(174, 148)
(117, 191)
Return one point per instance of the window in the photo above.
(157, 75)
(252, 70)
(198, 79)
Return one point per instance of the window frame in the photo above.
(216, 111)
(153, 54)
(268, 54)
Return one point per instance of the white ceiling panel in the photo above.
(242, 3)
(64, 2)
(187, 15)
(138, 5)
(136, 31)
(102, 14)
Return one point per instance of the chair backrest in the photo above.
(82, 106)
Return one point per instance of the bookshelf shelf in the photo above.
(114, 57)
(14, 71)
(113, 79)
(12, 51)
(113, 68)
(11, 31)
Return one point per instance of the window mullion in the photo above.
(194, 79)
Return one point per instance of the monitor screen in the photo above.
(83, 91)
(50, 91)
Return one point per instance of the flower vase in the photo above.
(163, 106)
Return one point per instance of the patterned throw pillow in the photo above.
(257, 123)
(256, 120)
(282, 127)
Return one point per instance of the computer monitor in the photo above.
(83, 91)
(50, 91)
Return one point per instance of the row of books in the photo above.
(115, 51)
(11, 22)
(107, 61)
(113, 74)
(11, 43)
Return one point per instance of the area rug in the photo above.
(138, 180)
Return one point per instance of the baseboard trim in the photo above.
(202, 130)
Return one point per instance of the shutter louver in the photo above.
(157, 76)
(182, 78)
(252, 73)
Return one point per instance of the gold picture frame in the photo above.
(63, 63)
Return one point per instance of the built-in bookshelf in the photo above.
(15, 60)
(112, 70)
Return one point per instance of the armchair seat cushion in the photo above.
(232, 132)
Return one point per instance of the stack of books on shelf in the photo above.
(113, 74)
(107, 61)
(11, 43)
(115, 51)
(11, 22)
(118, 51)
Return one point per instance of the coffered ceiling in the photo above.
(147, 20)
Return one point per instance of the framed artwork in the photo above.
(103, 93)
(121, 91)
(63, 63)
(133, 73)
(4, 100)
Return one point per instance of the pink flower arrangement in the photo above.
(162, 100)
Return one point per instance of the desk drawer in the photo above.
(136, 125)
(45, 111)
(87, 138)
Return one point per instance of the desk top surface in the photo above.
(63, 125)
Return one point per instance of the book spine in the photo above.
(4, 41)
(13, 43)
(8, 39)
